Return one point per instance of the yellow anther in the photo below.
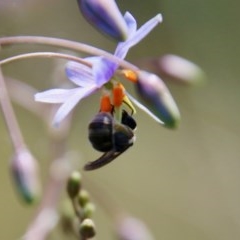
(130, 75)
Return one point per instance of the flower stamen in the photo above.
(130, 75)
(118, 95)
(105, 105)
(129, 104)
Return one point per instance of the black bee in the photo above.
(108, 136)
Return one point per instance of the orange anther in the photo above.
(118, 95)
(106, 105)
(130, 75)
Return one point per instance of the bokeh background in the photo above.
(183, 184)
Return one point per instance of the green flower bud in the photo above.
(88, 210)
(74, 184)
(87, 228)
(83, 197)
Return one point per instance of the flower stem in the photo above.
(76, 209)
(66, 44)
(9, 116)
(45, 55)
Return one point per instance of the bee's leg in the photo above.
(103, 160)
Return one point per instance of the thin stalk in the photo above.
(9, 116)
(76, 209)
(76, 46)
(60, 168)
(45, 55)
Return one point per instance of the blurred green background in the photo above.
(183, 184)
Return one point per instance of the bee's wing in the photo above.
(103, 160)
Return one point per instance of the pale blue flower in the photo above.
(89, 80)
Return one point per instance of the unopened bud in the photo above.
(157, 98)
(105, 16)
(24, 170)
(87, 228)
(88, 210)
(180, 69)
(83, 197)
(74, 184)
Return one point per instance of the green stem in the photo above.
(76, 209)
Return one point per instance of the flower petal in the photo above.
(53, 95)
(79, 74)
(71, 102)
(103, 70)
(142, 32)
(131, 23)
(145, 109)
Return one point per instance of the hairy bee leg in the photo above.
(103, 160)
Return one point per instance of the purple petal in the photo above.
(79, 74)
(142, 32)
(92, 59)
(71, 102)
(54, 95)
(103, 70)
(131, 23)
